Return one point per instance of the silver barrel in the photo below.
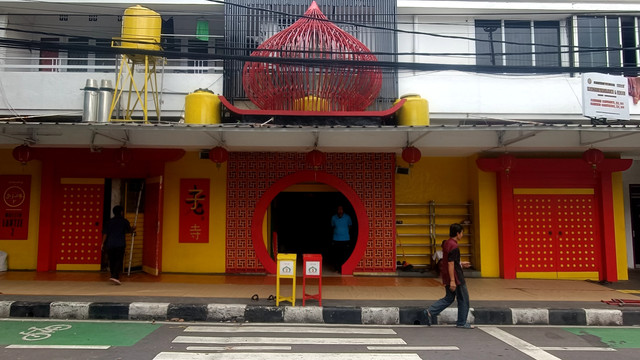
(90, 107)
(105, 97)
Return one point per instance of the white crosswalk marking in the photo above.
(382, 343)
(297, 330)
(519, 344)
(413, 348)
(288, 340)
(236, 348)
(284, 356)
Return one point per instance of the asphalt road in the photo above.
(38, 339)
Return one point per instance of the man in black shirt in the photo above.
(453, 280)
(114, 241)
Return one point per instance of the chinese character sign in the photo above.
(14, 209)
(194, 210)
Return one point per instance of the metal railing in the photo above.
(105, 65)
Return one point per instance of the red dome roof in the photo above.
(321, 86)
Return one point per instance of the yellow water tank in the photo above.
(202, 107)
(414, 112)
(311, 103)
(141, 28)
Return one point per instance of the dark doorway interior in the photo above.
(302, 221)
(635, 223)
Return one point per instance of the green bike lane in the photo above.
(81, 334)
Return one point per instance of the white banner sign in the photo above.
(605, 96)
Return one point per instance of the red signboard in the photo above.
(14, 209)
(194, 211)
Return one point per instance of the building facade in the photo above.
(542, 190)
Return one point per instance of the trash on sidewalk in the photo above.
(622, 302)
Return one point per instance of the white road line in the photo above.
(301, 329)
(575, 348)
(64, 347)
(284, 356)
(233, 348)
(290, 340)
(413, 348)
(519, 344)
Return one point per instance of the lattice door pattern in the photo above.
(556, 233)
(370, 175)
(79, 237)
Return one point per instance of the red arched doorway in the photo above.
(309, 176)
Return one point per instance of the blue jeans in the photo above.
(462, 295)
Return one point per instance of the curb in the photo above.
(239, 313)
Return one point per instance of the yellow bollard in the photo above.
(286, 270)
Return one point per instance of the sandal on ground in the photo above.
(427, 317)
(465, 326)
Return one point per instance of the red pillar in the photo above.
(607, 225)
(45, 228)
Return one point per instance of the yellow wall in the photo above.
(619, 223)
(190, 257)
(438, 179)
(23, 254)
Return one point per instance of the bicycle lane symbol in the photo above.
(35, 333)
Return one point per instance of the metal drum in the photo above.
(90, 107)
(105, 97)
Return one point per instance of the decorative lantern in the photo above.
(22, 153)
(411, 155)
(593, 157)
(218, 155)
(316, 158)
(123, 156)
(507, 162)
(320, 86)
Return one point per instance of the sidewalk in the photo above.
(348, 299)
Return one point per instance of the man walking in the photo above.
(114, 241)
(453, 280)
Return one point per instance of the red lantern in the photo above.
(411, 154)
(124, 156)
(316, 158)
(22, 153)
(507, 162)
(218, 155)
(593, 157)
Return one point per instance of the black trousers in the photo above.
(340, 251)
(116, 261)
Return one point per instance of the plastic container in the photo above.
(202, 107)
(414, 112)
(141, 28)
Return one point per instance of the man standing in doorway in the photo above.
(114, 241)
(341, 224)
(453, 280)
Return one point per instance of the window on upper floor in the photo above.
(518, 43)
(607, 40)
(589, 41)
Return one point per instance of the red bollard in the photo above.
(312, 264)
